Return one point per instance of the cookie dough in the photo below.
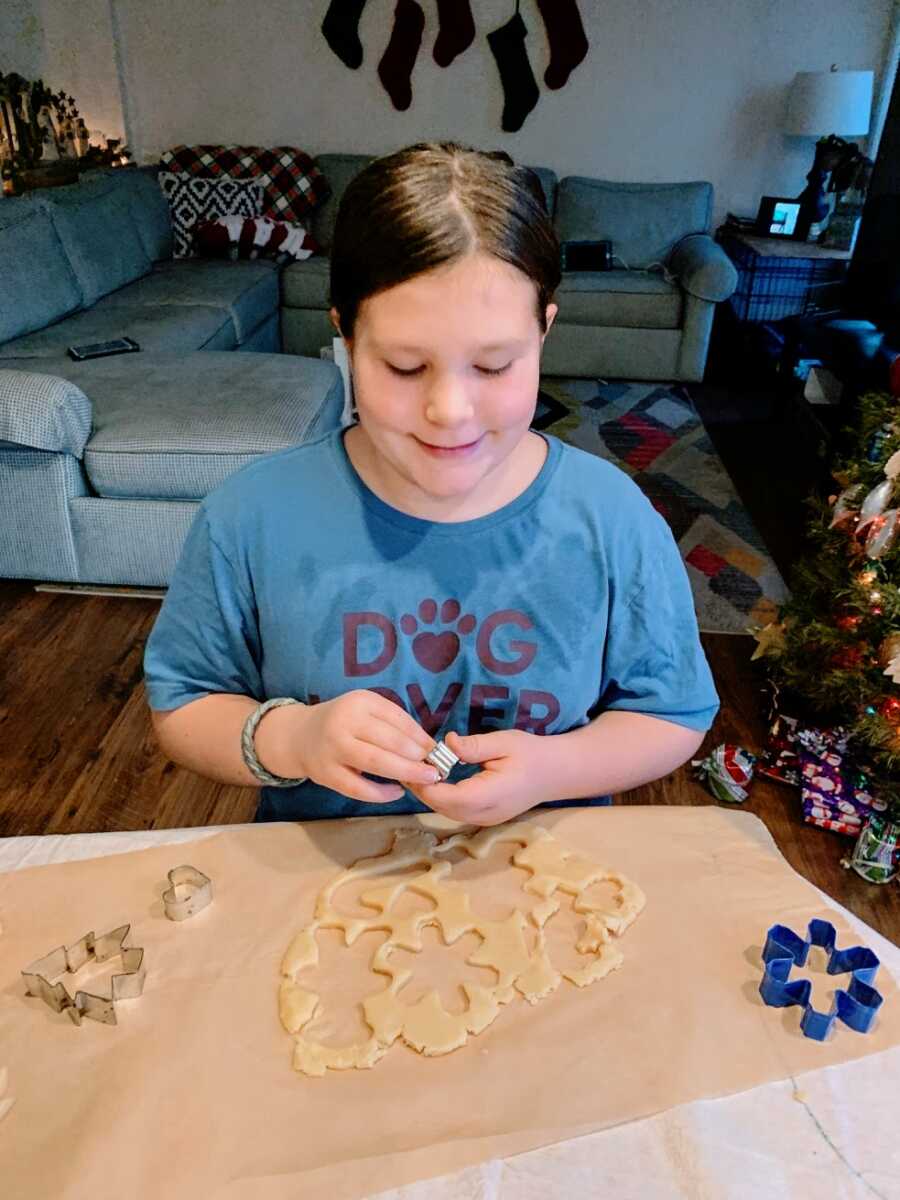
(521, 969)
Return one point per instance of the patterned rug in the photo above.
(653, 433)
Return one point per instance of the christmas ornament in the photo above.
(889, 650)
(520, 90)
(848, 658)
(892, 466)
(882, 533)
(769, 640)
(890, 709)
(875, 503)
(849, 622)
(845, 511)
(727, 772)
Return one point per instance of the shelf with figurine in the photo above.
(44, 141)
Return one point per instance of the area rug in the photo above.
(653, 433)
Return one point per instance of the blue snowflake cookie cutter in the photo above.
(856, 1005)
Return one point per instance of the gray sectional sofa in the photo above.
(103, 463)
(648, 318)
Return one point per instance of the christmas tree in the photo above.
(835, 651)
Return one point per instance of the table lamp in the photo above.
(827, 105)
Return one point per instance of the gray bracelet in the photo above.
(248, 748)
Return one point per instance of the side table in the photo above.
(779, 278)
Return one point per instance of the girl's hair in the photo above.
(434, 203)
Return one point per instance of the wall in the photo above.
(72, 48)
(689, 90)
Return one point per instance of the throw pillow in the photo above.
(254, 237)
(294, 185)
(192, 200)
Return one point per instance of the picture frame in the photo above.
(782, 217)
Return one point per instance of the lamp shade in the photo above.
(823, 102)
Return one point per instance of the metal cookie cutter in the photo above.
(443, 758)
(856, 1006)
(189, 894)
(127, 986)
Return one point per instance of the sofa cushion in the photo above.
(549, 182)
(38, 283)
(628, 299)
(100, 238)
(338, 170)
(306, 284)
(643, 221)
(176, 427)
(247, 290)
(150, 210)
(174, 328)
(149, 207)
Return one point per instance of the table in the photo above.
(828, 1134)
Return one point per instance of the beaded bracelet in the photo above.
(248, 748)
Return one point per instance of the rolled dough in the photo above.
(426, 1026)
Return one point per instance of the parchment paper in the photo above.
(193, 1092)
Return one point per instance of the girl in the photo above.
(436, 569)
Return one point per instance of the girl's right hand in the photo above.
(332, 743)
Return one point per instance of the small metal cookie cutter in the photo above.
(127, 986)
(190, 892)
(443, 758)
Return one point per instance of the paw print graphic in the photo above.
(435, 651)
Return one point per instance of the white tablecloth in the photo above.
(832, 1134)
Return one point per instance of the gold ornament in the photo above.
(889, 656)
(769, 640)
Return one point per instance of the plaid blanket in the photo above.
(293, 186)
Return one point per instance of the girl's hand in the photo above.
(514, 779)
(334, 742)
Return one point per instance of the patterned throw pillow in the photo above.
(192, 200)
(294, 185)
(254, 237)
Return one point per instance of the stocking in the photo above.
(519, 88)
(568, 43)
(398, 60)
(341, 29)
(457, 30)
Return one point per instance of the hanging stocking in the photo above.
(397, 62)
(568, 42)
(520, 90)
(457, 30)
(341, 29)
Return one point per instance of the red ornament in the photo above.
(849, 622)
(848, 658)
(890, 709)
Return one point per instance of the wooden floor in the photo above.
(78, 754)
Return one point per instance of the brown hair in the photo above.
(434, 203)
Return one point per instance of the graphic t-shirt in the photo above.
(296, 579)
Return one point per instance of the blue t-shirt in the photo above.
(297, 580)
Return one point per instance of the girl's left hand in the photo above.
(513, 780)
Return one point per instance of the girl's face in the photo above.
(445, 375)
